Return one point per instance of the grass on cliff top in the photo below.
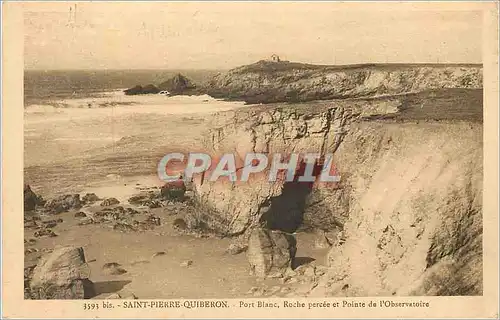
(444, 104)
(430, 105)
(264, 66)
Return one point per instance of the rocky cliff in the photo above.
(407, 143)
(408, 208)
(267, 82)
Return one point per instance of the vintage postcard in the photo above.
(250, 159)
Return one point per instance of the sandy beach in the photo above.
(110, 148)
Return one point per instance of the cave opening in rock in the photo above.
(286, 211)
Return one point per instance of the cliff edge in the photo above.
(269, 81)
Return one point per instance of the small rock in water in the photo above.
(109, 202)
(186, 263)
(159, 253)
(113, 268)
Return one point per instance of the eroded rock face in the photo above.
(62, 274)
(238, 206)
(235, 207)
(270, 253)
(415, 224)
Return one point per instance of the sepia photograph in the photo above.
(270, 152)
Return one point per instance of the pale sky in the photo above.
(189, 35)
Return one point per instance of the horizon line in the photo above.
(362, 64)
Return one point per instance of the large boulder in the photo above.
(62, 274)
(270, 252)
(63, 203)
(177, 85)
